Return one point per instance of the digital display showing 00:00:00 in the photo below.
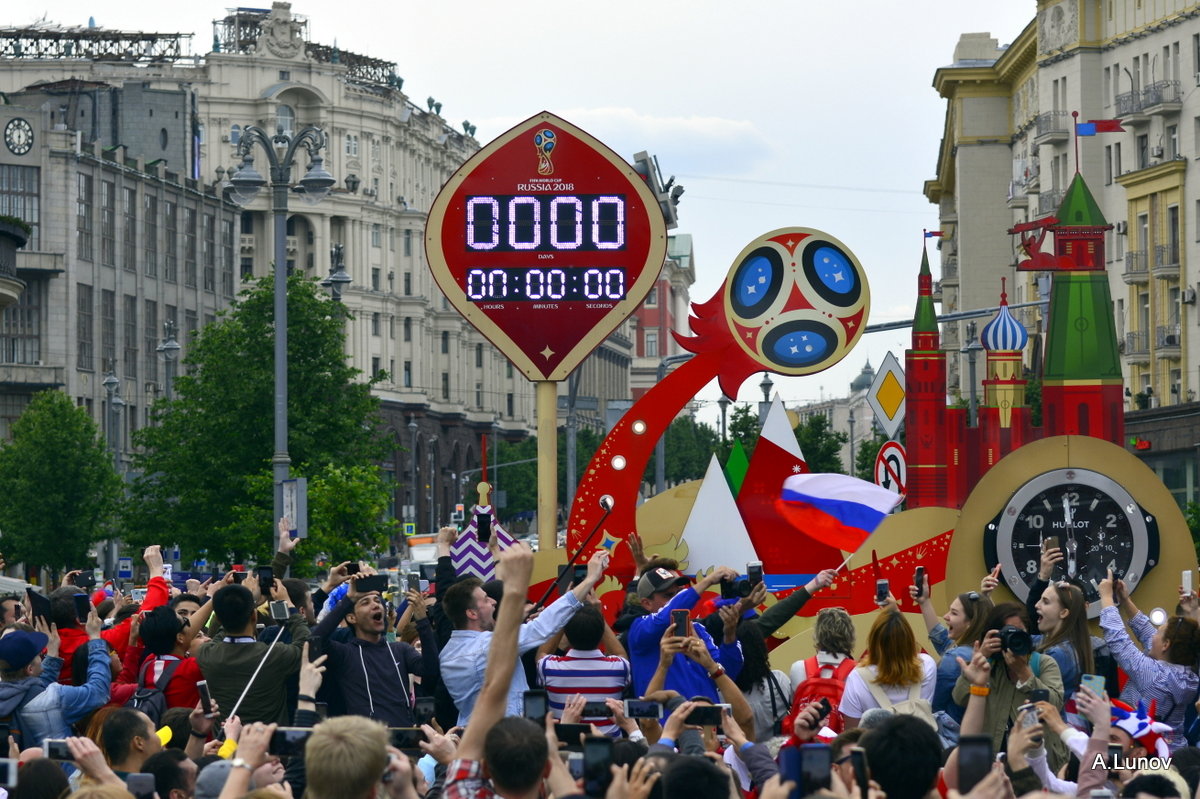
(545, 284)
(546, 222)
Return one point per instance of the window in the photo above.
(84, 327)
(391, 239)
(108, 330)
(479, 356)
(508, 370)
(508, 405)
(445, 385)
(408, 284)
(108, 223)
(375, 278)
(247, 223)
(1108, 165)
(150, 227)
(445, 342)
(375, 367)
(84, 218)
(189, 246)
(1172, 234)
(171, 254)
(391, 326)
(408, 322)
(408, 242)
(375, 320)
(20, 197)
(191, 323)
(1143, 151)
(150, 339)
(1172, 141)
(1107, 86)
(21, 325)
(408, 374)
(650, 344)
(652, 297)
(376, 233)
(285, 119)
(209, 252)
(247, 268)
(1117, 159)
(130, 365)
(227, 258)
(129, 231)
(235, 134)
(351, 145)
(479, 395)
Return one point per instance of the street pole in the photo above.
(315, 184)
(971, 348)
(765, 405)
(724, 403)
(170, 353)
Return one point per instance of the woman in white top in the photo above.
(893, 662)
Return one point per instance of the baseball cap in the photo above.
(211, 779)
(19, 648)
(659, 579)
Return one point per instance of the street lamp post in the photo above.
(724, 403)
(112, 387)
(766, 386)
(852, 459)
(338, 277)
(432, 484)
(244, 185)
(971, 348)
(169, 350)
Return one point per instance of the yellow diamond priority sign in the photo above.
(886, 396)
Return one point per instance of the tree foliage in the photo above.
(743, 426)
(206, 464)
(687, 448)
(822, 447)
(58, 483)
(864, 459)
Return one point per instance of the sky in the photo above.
(772, 114)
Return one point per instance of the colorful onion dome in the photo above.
(1004, 332)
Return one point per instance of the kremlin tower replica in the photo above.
(1082, 389)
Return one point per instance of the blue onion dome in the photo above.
(1004, 332)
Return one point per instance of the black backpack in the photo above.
(153, 701)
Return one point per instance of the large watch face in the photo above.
(1097, 523)
(18, 136)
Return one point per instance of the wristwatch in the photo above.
(717, 672)
(238, 762)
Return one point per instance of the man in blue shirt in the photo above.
(661, 591)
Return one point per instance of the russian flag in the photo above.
(837, 509)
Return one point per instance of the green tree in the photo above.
(206, 463)
(864, 459)
(744, 427)
(688, 446)
(59, 487)
(822, 447)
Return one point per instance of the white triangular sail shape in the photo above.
(715, 533)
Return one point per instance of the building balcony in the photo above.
(1162, 97)
(1018, 196)
(949, 272)
(1129, 107)
(32, 376)
(1052, 127)
(1033, 175)
(1048, 202)
(246, 242)
(1136, 270)
(1166, 262)
(1136, 347)
(293, 245)
(937, 291)
(1167, 341)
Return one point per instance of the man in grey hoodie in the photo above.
(31, 697)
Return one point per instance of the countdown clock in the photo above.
(545, 241)
(18, 136)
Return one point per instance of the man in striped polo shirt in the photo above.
(585, 669)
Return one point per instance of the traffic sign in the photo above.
(410, 528)
(887, 396)
(891, 467)
(545, 241)
(125, 568)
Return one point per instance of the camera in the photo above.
(1015, 640)
(735, 589)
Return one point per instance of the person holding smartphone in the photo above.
(1163, 671)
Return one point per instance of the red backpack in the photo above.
(821, 682)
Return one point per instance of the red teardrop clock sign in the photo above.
(545, 241)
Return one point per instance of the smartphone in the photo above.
(825, 708)
(1116, 755)
(595, 710)
(1028, 714)
(289, 741)
(279, 610)
(754, 572)
(140, 785)
(1186, 581)
(85, 580)
(974, 760)
(316, 647)
(351, 568)
(862, 772)
(428, 571)
(40, 606)
(570, 734)
(789, 769)
(138, 595)
(483, 527)
(83, 606)
(414, 581)
(1039, 695)
(1050, 542)
(578, 574)
(1101, 793)
(376, 582)
(56, 749)
(205, 698)
(8, 773)
(1095, 682)
(266, 579)
(168, 572)
(536, 705)
(574, 761)
(919, 580)
(597, 764)
(816, 763)
(705, 715)
(680, 617)
(642, 709)
(423, 710)
(883, 587)
(238, 577)
(406, 737)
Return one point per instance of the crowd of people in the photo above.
(240, 687)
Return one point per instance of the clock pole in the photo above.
(546, 399)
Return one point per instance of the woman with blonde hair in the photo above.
(893, 668)
(833, 636)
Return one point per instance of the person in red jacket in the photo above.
(72, 636)
(168, 638)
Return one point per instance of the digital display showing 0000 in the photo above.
(545, 223)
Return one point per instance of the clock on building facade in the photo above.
(18, 136)
(1095, 520)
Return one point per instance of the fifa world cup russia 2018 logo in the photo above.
(544, 140)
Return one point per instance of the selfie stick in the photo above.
(257, 669)
(606, 503)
